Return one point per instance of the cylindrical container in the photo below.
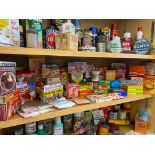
(37, 25)
(94, 30)
(95, 76)
(100, 47)
(48, 126)
(31, 38)
(122, 115)
(114, 30)
(50, 37)
(127, 42)
(19, 130)
(21, 36)
(95, 86)
(113, 115)
(86, 40)
(30, 128)
(77, 121)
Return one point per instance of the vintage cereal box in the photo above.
(51, 92)
(72, 90)
(7, 77)
(77, 67)
(11, 103)
(50, 71)
(77, 78)
(9, 32)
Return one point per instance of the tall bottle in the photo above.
(141, 46)
(68, 27)
(58, 126)
(41, 130)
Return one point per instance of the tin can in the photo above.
(30, 128)
(50, 37)
(37, 25)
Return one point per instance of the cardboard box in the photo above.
(9, 32)
(51, 92)
(133, 89)
(77, 67)
(149, 84)
(50, 71)
(67, 41)
(11, 103)
(7, 77)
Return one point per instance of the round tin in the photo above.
(50, 37)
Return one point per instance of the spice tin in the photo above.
(31, 38)
(50, 37)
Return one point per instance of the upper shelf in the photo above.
(67, 53)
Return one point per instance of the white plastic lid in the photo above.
(127, 35)
(77, 114)
(40, 126)
(57, 120)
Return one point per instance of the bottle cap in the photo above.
(57, 120)
(40, 126)
(127, 35)
(139, 28)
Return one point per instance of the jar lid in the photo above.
(127, 35)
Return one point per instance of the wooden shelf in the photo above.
(17, 120)
(66, 53)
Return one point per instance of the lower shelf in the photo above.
(18, 120)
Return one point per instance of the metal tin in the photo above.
(50, 37)
(101, 47)
(19, 130)
(31, 38)
(30, 128)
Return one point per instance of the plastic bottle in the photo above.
(68, 27)
(141, 46)
(41, 130)
(58, 126)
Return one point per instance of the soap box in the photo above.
(7, 77)
(77, 67)
(9, 32)
(50, 71)
(104, 85)
(149, 84)
(51, 92)
(72, 90)
(67, 41)
(77, 78)
(11, 103)
(86, 88)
